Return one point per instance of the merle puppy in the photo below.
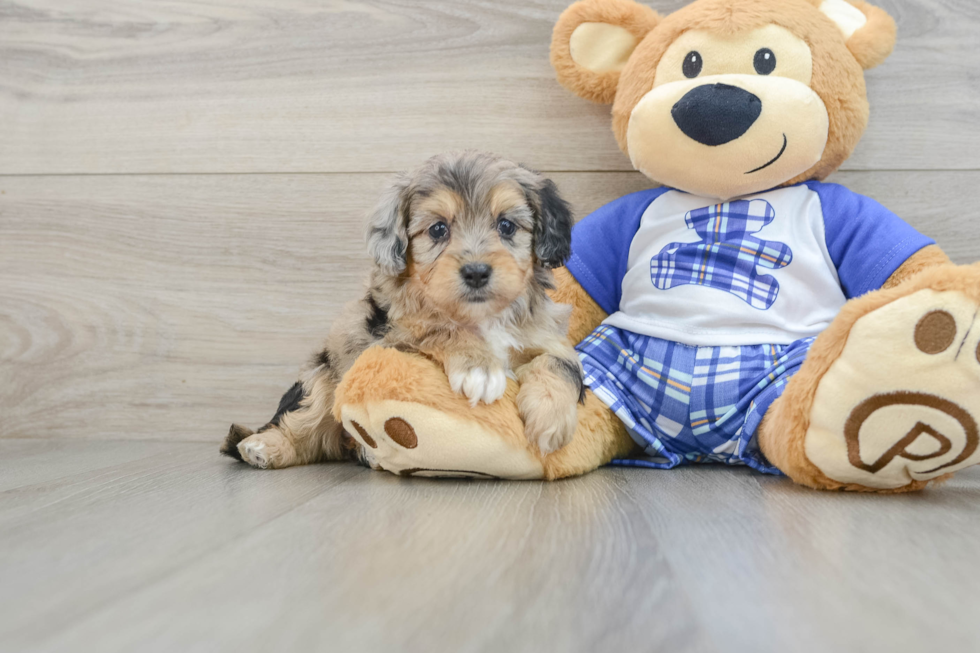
(462, 248)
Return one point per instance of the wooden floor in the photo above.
(153, 546)
(182, 185)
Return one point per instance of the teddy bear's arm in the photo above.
(925, 258)
(586, 314)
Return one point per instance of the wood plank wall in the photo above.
(182, 183)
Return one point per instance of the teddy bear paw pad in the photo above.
(902, 402)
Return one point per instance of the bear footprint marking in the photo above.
(728, 255)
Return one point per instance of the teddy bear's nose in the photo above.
(715, 114)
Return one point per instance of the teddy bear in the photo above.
(743, 311)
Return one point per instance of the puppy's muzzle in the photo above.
(715, 114)
(476, 275)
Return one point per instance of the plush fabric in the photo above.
(586, 313)
(837, 76)
(387, 388)
(596, 85)
(600, 47)
(783, 435)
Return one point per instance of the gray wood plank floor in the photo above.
(133, 546)
(181, 192)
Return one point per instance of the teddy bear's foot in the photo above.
(449, 446)
(408, 420)
(913, 368)
(401, 410)
(898, 401)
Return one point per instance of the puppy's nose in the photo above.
(715, 114)
(475, 275)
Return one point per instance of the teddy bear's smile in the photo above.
(778, 157)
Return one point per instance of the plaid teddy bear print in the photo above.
(727, 255)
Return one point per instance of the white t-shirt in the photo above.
(769, 268)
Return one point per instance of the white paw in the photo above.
(479, 384)
(254, 453)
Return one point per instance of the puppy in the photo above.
(462, 251)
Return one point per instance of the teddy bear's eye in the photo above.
(765, 61)
(693, 64)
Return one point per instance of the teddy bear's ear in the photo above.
(592, 42)
(868, 30)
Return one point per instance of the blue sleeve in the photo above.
(601, 246)
(866, 241)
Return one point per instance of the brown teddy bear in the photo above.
(744, 312)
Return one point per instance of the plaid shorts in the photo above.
(686, 404)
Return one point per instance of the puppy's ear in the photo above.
(868, 31)
(593, 40)
(388, 227)
(552, 220)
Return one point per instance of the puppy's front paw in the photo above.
(479, 384)
(550, 415)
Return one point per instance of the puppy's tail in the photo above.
(236, 434)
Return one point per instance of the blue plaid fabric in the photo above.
(687, 404)
(727, 255)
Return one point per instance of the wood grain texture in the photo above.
(75, 542)
(183, 550)
(374, 85)
(166, 307)
(818, 571)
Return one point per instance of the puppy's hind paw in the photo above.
(254, 453)
(268, 449)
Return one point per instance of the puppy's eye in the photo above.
(506, 228)
(765, 61)
(439, 231)
(693, 64)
